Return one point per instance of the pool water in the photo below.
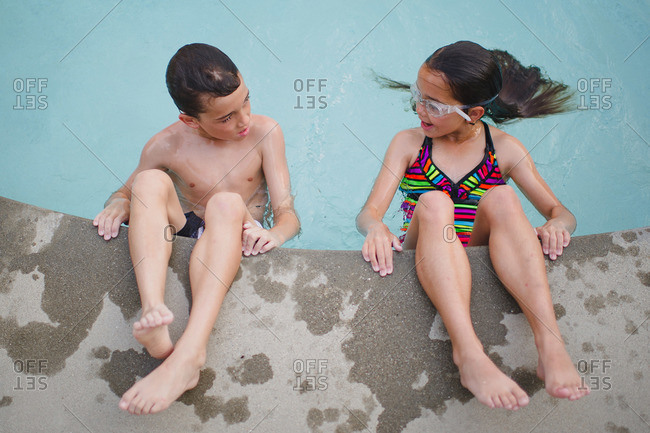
(82, 89)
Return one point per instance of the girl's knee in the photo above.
(225, 205)
(435, 205)
(500, 199)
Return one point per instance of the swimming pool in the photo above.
(83, 89)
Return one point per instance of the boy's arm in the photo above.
(118, 206)
(276, 172)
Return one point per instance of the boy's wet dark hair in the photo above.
(197, 71)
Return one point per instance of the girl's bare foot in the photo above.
(559, 374)
(151, 331)
(488, 384)
(163, 386)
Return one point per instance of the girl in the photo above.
(456, 195)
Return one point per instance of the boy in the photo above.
(216, 164)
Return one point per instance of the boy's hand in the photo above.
(109, 220)
(555, 237)
(256, 240)
(378, 249)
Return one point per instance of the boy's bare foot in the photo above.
(488, 384)
(559, 374)
(151, 331)
(163, 386)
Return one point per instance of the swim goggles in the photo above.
(438, 109)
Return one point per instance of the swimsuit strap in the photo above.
(488, 138)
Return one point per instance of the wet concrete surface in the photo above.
(308, 341)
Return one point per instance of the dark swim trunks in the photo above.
(193, 227)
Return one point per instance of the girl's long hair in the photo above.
(475, 75)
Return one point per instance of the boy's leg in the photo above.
(444, 272)
(213, 266)
(150, 253)
(519, 262)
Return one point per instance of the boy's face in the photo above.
(224, 118)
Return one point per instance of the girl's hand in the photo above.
(378, 249)
(555, 237)
(109, 220)
(256, 240)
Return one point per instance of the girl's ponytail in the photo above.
(525, 92)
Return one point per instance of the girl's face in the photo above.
(433, 86)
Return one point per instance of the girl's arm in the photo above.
(378, 246)
(555, 234)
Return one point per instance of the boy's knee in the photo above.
(151, 179)
(434, 205)
(225, 205)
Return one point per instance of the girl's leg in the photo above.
(150, 253)
(519, 262)
(213, 266)
(444, 272)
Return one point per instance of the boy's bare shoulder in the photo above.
(265, 124)
(266, 131)
(164, 143)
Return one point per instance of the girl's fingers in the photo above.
(397, 244)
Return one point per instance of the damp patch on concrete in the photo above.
(256, 370)
(6, 401)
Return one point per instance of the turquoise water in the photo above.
(82, 89)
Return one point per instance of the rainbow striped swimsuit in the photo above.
(424, 176)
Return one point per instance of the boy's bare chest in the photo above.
(201, 174)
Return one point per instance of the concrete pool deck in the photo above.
(308, 341)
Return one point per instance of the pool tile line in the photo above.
(357, 418)
(636, 329)
(103, 163)
(370, 150)
(530, 30)
(635, 50)
(251, 31)
(636, 413)
(635, 131)
(263, 419)
(77, 418)
(90, 31)
(371, 30)
(544, 417)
